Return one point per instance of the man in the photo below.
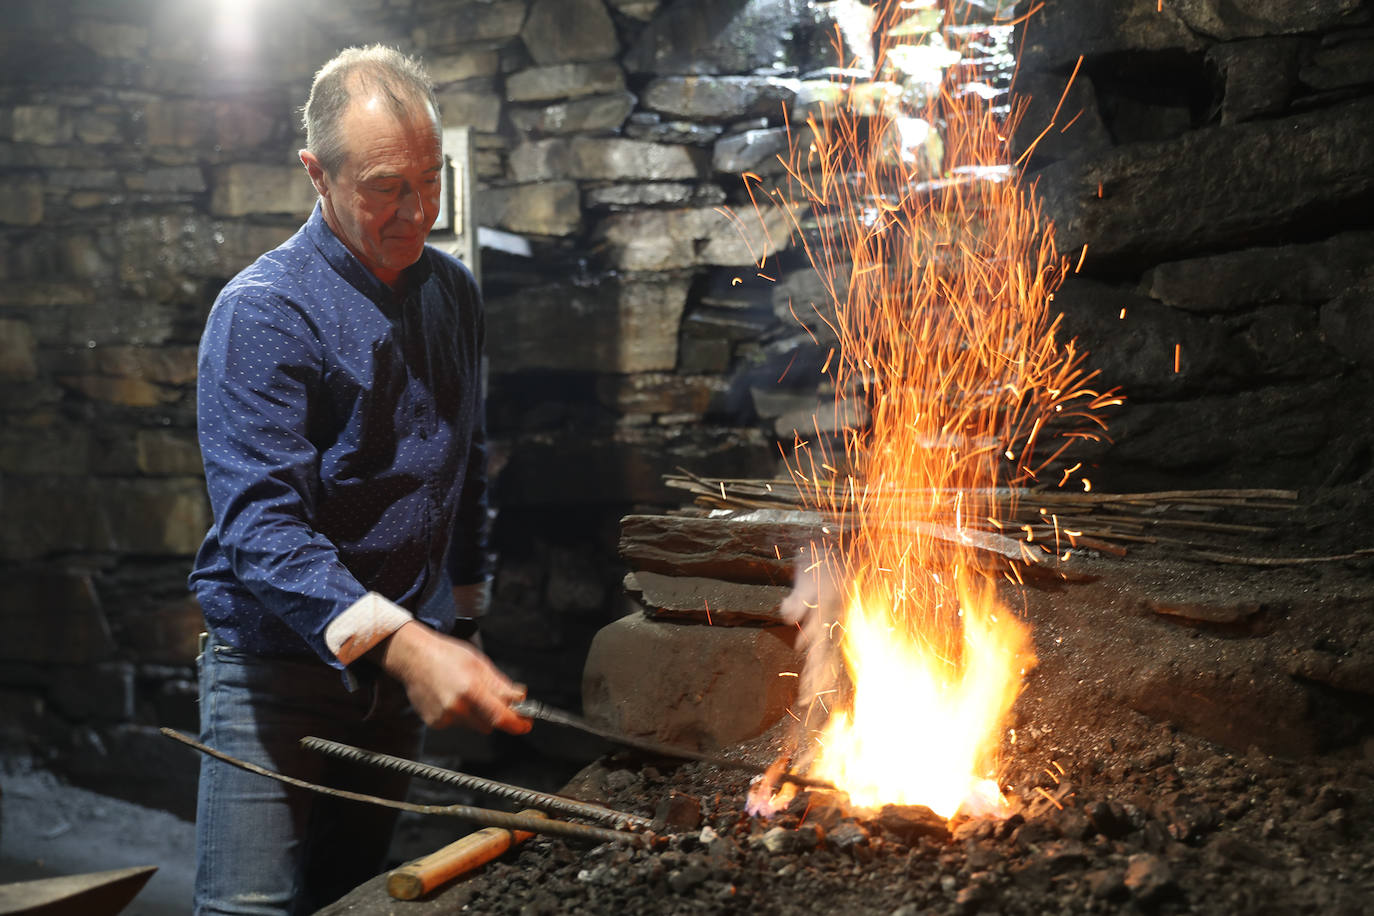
(341, 424)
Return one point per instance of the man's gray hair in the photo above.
(396, 77)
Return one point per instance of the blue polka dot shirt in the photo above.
(337, 461)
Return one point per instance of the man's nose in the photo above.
(412, 208)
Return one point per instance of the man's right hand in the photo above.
(449, 682)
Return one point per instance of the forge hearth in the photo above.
(1194, 739)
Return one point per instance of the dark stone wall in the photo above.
(147, 153)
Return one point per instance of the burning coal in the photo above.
(940, 273)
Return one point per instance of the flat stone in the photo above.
(565, 81)
(71, 628)
(654, 194)
(465, 65)
(229, 125)
(245, 188)
(648, 125)
(719, 549)
(111, 39)
(611, 159)
(1225, 20)
(629, 325)
(1078, 128)
(544, 208)
(588, 114)
(180, 179)
(695, 686)
(1297, 274)
(1260, 74)
(163, 632)
(21, 201)
(474, 103)
(165, 452)
(1149, 877)
(715, 36)
(719, 99)
(1213, 188)
(1350, 63)
(1062, 30)
(39, 124)
(464, 24)
(667, 239)
(706, 600)
(1347, 321)
(755, 151)
(46, 448)
(18, 350)
(127, 392)
(560, 31)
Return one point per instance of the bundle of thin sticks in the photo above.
(1064, 520)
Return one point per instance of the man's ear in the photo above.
(316, 172)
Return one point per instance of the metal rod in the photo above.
(533, 709)
(484, 816)
(528, 797)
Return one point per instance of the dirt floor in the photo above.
(49, 828)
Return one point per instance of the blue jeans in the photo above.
(263, 847)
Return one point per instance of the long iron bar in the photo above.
(526, 797)
(484, 816)
(533, 709)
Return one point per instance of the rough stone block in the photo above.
(561, 31)
(165, 633)
(164, 517)
(1235, 280)
(565, 81)
(709, 601)
(52, 618)
(165, 452)
(466, 23)
(40, 124)
(44, 447)
(245, 188)
(126, 392)
(715, 36)
(465, 65)
(626, 325)
(696, 686)
(666, 239)
(589, 114)
(1260, 76)
(720, 98)
(18, 350)
(544, 208)
(101, 693)
(751, 151)
(21, 201)
(1213, 188)
(474, 104)
(1349, 63)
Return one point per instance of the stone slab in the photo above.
(708, 601)
(700, 687)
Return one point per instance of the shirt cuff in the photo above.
(366, 622)
(472, 600)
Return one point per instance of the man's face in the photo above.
(382, 201)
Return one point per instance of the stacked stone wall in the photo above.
(148, 152)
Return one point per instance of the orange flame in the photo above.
(940, 272)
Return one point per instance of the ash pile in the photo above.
(1131, 818)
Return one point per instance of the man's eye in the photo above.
(384, 188)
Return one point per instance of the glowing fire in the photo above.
(940, 272)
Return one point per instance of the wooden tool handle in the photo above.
(417, 878)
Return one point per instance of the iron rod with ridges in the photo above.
(519, 794)
(484, 816)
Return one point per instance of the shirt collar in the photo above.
(347, 265)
